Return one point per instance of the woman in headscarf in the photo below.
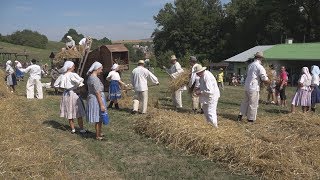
(96, 101)
(19, 73)
(114, 87)
(71, 105)
(315, 94)
(303, 93)
(10, 76)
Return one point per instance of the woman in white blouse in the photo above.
(303, 93)
(71, 106)
(114, 86)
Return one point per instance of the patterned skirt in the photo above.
(315, 95)
(302, 98)
(93, 108)
(114, 90)
(71, 105)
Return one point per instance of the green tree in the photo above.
(28, 38)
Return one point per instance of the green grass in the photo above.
(40, 54)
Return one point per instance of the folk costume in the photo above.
(139, 80)
(34, 80)
(255, 74)
(209, 94)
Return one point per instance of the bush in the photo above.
(27, 38)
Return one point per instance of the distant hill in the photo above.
(40, 54)
(132, 41)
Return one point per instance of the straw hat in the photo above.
(259, 55)
(199, 68)
(173, 57)
(141, 62)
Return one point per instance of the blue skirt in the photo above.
(114, 90)
(19, 73)
(315, 95)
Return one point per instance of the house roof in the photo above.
(295, 51)
(246, 55)
(117, 48)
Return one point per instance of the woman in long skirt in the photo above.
(114, 87)
(303, 93)
(10, 76)
(71, 106)
(315, 94)
(96, 101)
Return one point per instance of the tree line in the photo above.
(213, 31)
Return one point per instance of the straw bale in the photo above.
(180, 81)
(66, 54)
(282, 148)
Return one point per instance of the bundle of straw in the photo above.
(282, 148)
(66, 54)
(182, 80)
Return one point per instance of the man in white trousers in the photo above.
(34, 80)
(174, 72)
(255, 74)
(194, 84)
(139, 80)
(208, 93)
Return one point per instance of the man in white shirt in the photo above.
(208, 93)
(174, 72)
(194, 84)
(34, 80)
(255, 74)
(139, 80)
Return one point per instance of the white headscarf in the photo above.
(8, 62)
(67, 65)
(315, 70)
(114, 66)
(96, 65)
(305, 71)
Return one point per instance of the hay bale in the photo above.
(66, 54)
(182, 80)
(282, 148)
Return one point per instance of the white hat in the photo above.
(67, 65)
(199, 68)
(141, 62)
(173, 57)
(69, 37)
(114, 66)
(258, 55)
(96, 65)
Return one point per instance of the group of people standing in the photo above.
(307, 94)
(34, 80)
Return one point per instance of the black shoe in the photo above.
(201, 112)
(134, 112)
(111, 104)
(313, 109)
(239, 118)
(116, 106)
(194, 111)
(250, 121)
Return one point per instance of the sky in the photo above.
(114, 19)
